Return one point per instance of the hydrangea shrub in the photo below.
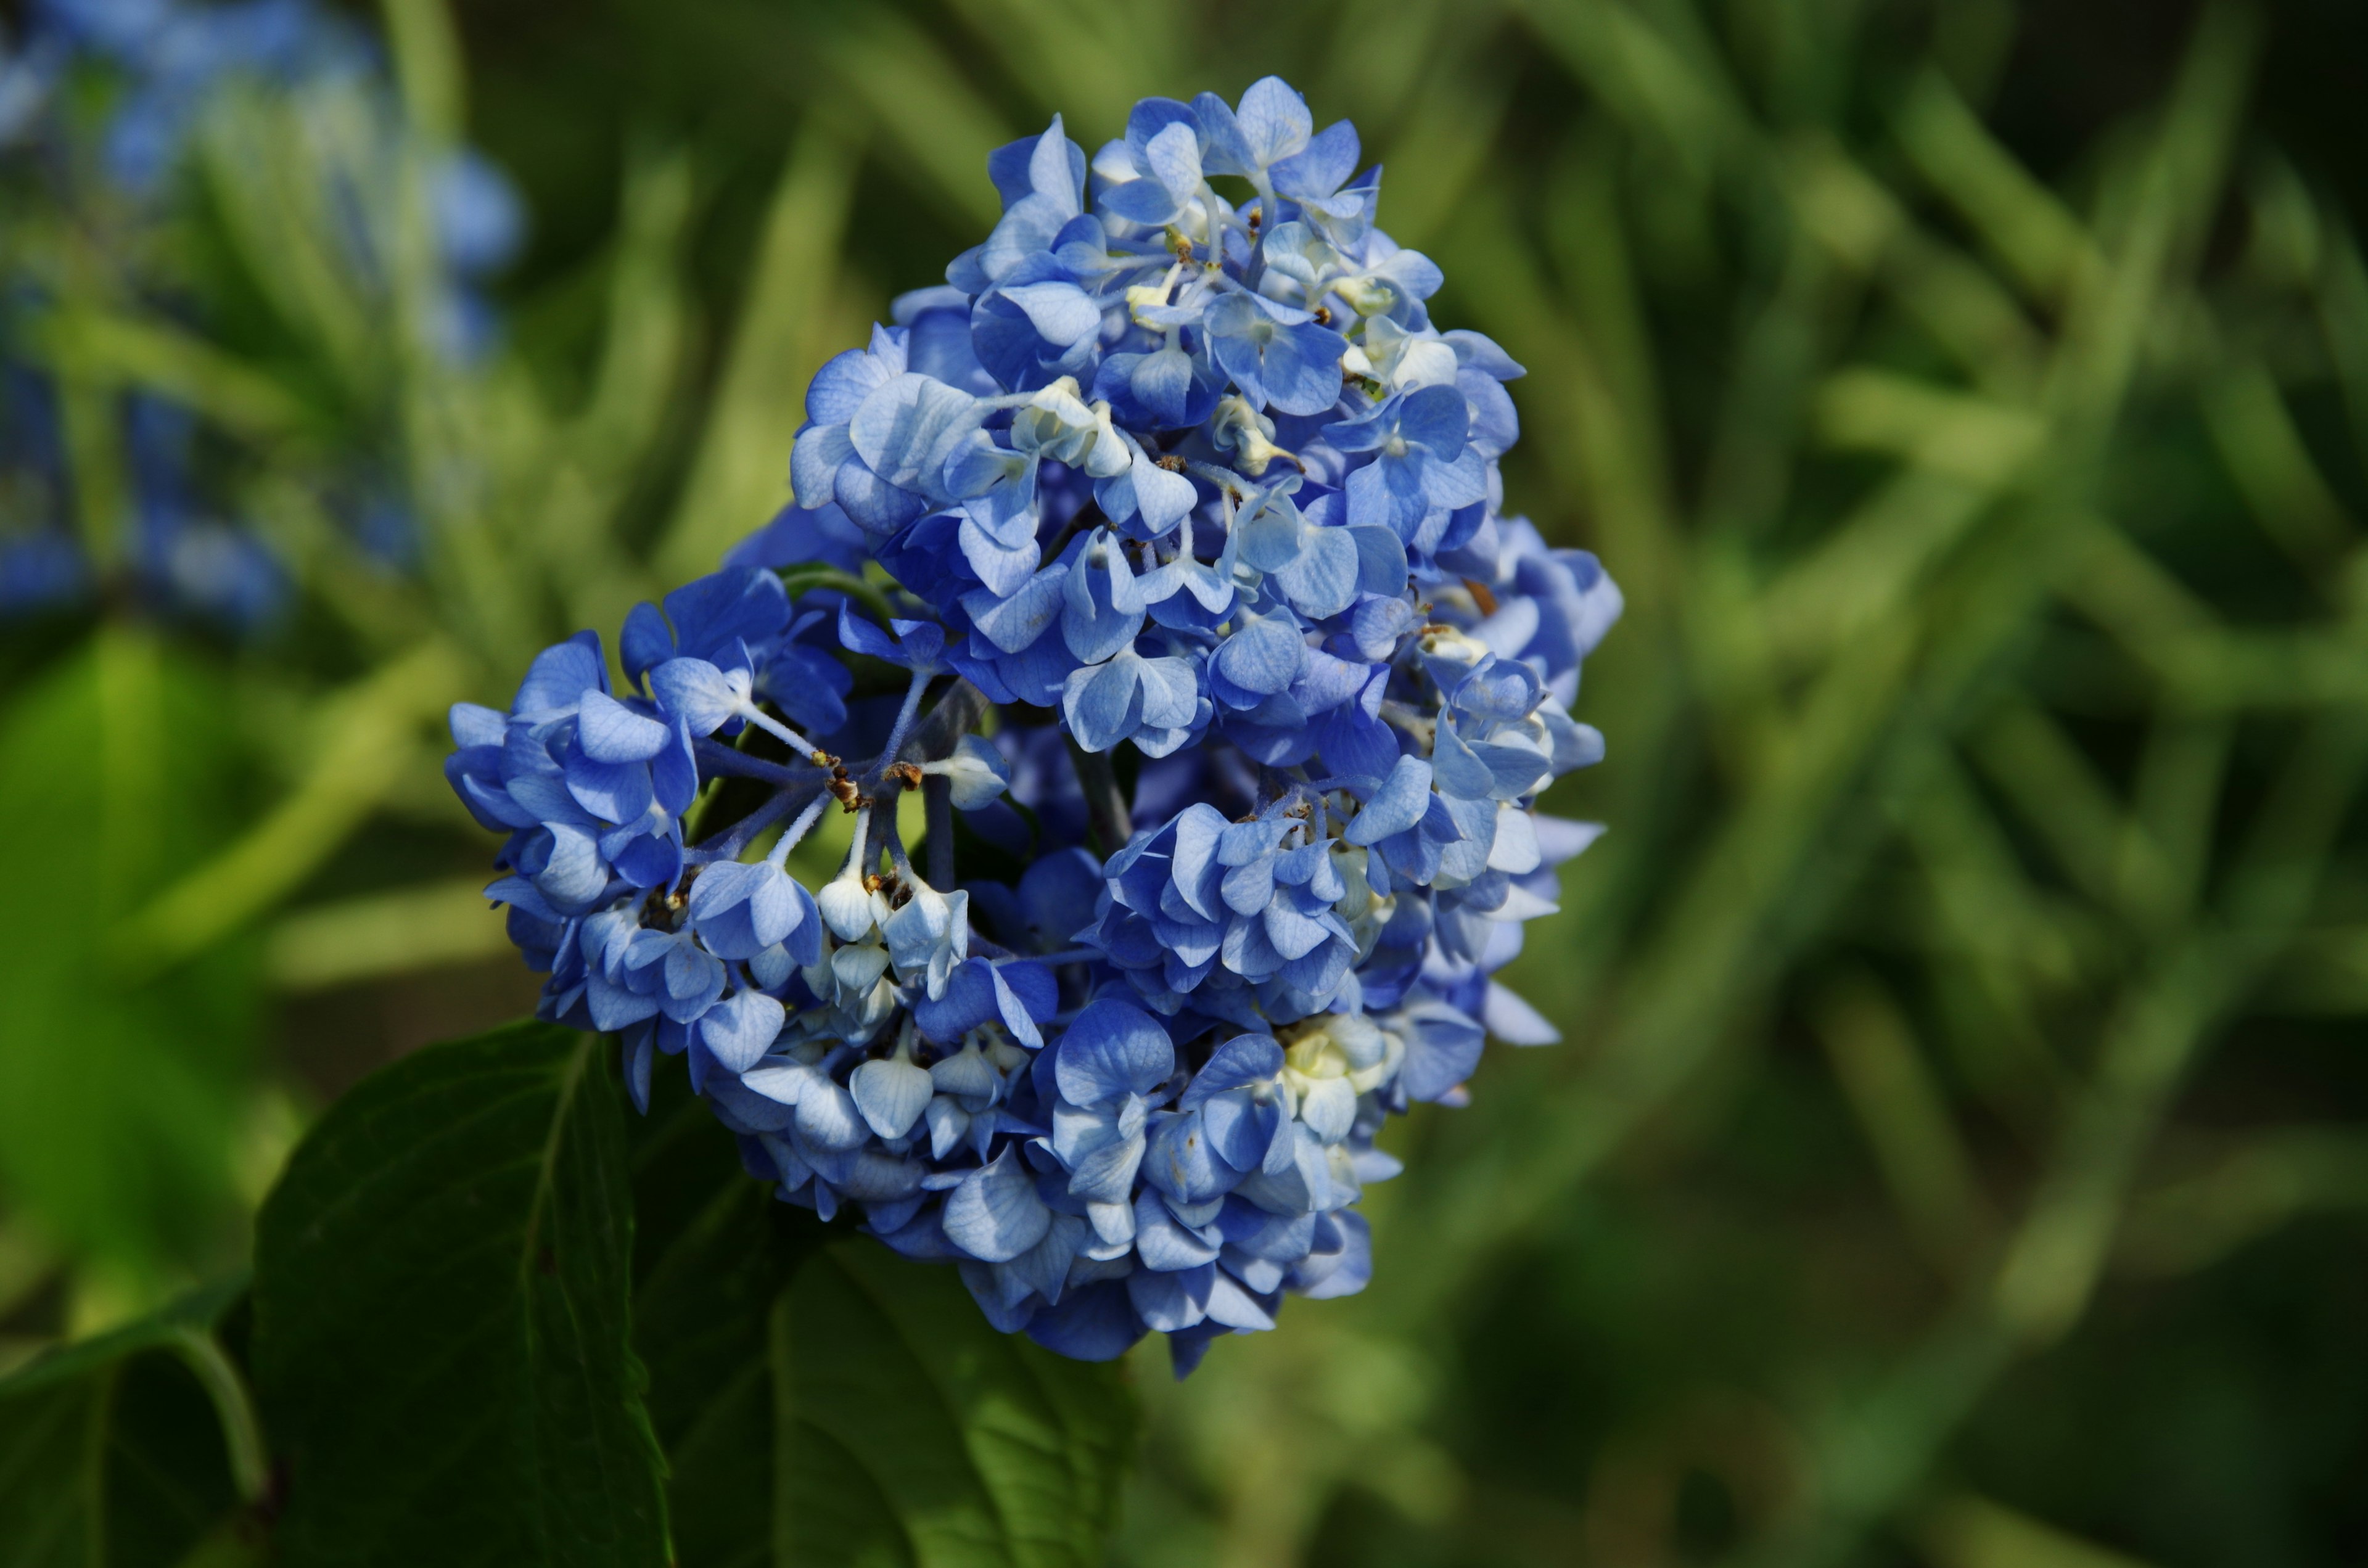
(1161, 550)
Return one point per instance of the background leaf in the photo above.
(912, 1432)
(440, 1295)
(119, 1101)
(112, 1454)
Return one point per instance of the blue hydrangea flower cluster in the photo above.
(98, 102)
(1164, 469)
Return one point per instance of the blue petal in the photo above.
(1324, 1276)
(891, 1093)
(858, 635)
(1170, 1301)
(1381, 561)
(1182, 1165)
(610, 731)
(1102, 601)
(1141, 201)
(826, 1116)
(1241, 1061)
(1442, 1048)
(839, 388)
(1161, 1241)
(696, 692)
(1242, 1128)
(995, 1215)
(1093, 1323)
(618, 791)
(1273, 122)
(968, 1001)
(1014, 621)
(1396, 806)
(1113, 1049)
(561, 676)
(1103, 703)
(1062, 313)
(905, 430)
(1322, 580)
(1023, 994)
(1301, 368)
(740, 1029)
(646, 640)
(474, 724)
(1322, 167)
(1170, 695)
(1264, 656)
(1435, 417)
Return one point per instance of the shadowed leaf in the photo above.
(442, 1304)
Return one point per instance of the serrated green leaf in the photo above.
(442, 1304)
(912, 1434)
(112, 1454)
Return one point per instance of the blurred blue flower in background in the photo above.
(100, 106)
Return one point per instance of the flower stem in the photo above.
(727, 845)
(890, 752)
(788, 737)
(937, 812)
(797, 830)
(1106, 809)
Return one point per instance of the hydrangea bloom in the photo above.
(1161, 466)
(98, 103)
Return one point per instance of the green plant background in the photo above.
(1959, 1152)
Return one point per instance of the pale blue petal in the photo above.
(995, 1215)
(1396, 806)
(610, 731)
(892, 1095)
(739, 1030)
(1113, 1049)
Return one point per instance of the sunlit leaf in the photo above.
(117, 1102)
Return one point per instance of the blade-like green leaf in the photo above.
(112, 1454)
(119, 1101)
(911, 1433)
(440, 1319)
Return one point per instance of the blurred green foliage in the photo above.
(1960, 1150)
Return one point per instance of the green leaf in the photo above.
(440, 1319)
(912, 1434)
(903, 1430)
(119, 1100)
(113, 1455)
(712, 1251)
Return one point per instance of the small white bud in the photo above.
(977, 770)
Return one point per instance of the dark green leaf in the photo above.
(112, 1454)
(441, 1297)
(712, 1249)
(911, 1433)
